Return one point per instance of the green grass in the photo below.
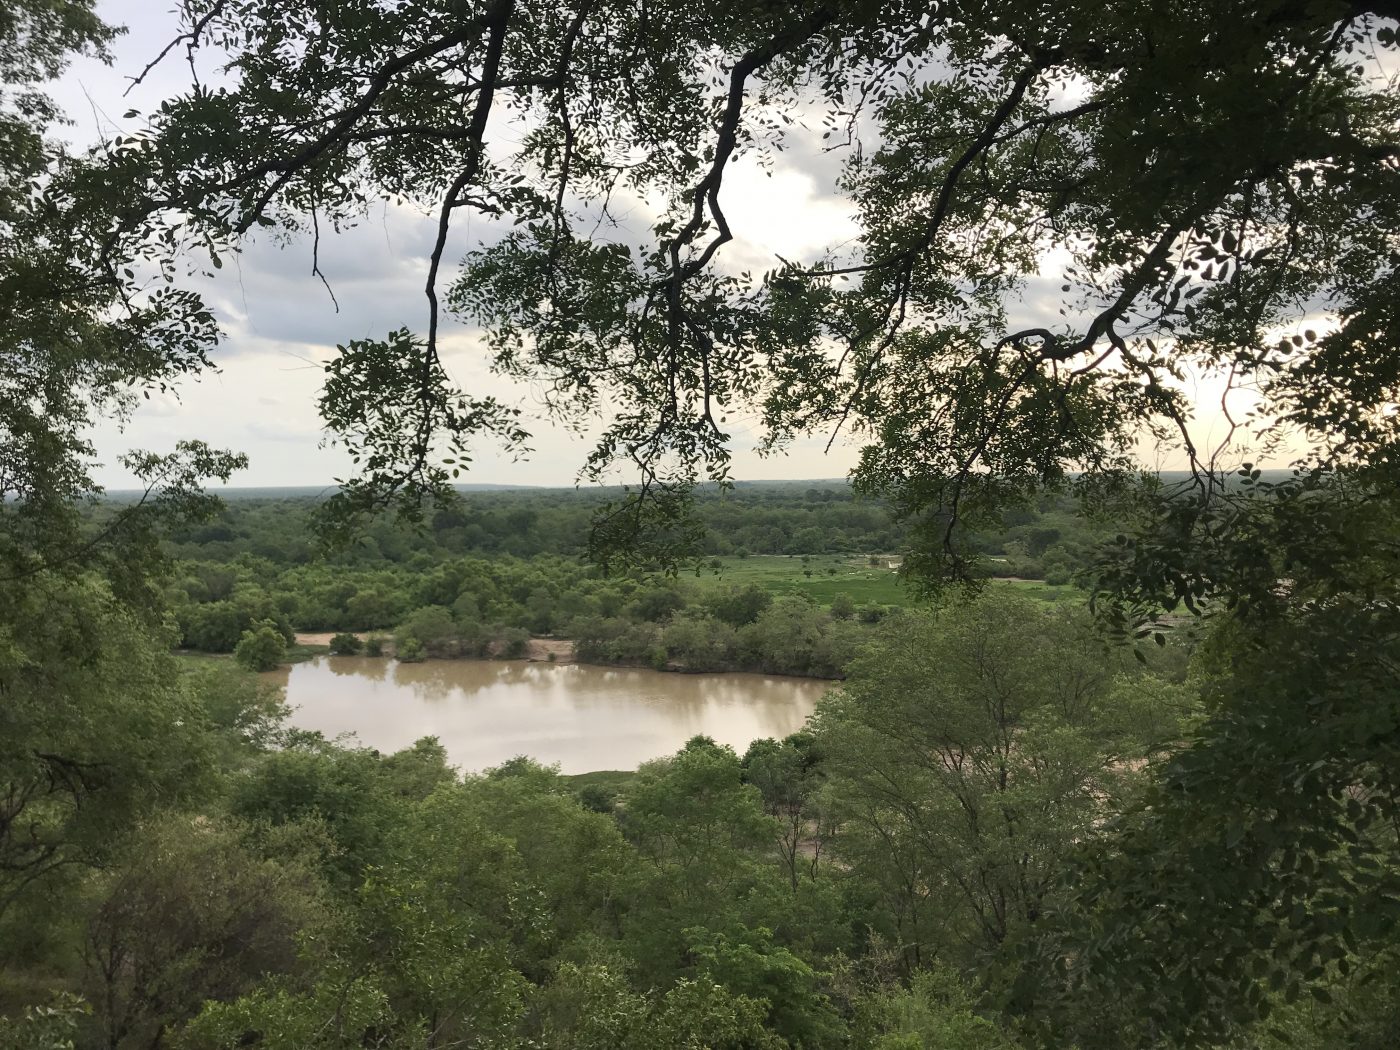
(297, 654)
(1039, 589)
(778, 574)
(865, 583)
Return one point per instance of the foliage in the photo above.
(747, 962)
(99, 729)
(349, 795)
(1067, 835)
(48, 1027)
(512, 643)
(346, 644)
(790, 776)
(261, 647)
(1202, 259)
(1295, 872)
(970, 752)
(189, 914)
(246, 711)
(81, 334)
(429, 630)
(591, 1008)
(935, 1010)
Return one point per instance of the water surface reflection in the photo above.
(582, 717)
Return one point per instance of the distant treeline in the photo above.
(1048, 540)
(479, 579)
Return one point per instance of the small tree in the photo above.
(433, 628)
(346, 644)
(262, 647)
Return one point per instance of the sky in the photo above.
(280, 324)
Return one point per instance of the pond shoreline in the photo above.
(585, 717)
(558, 651)
(537, 650)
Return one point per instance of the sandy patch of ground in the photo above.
(317, 637)
(540, 649)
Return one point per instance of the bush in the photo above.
(654, 604)
(739, 606)
(409, 650)
(699, 643)
(598, 799)
(217, 627)
(433, 628)
(262, 647)
(374, 645)
(512, 642)
(346, 644)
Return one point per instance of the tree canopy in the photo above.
(1215, 183)
(1069, 215)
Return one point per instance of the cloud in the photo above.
(281, 323)
(781, 213)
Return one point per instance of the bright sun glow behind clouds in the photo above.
(281, 325)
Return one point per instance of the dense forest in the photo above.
(884, 878)
(1045, 536)
(1111, 758)
(299, 893)
(481, 578)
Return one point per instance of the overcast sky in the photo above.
(280, 324)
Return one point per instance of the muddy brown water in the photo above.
(583, 717)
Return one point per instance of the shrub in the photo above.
(699, 643)
(262, 647)
(739, 606)
(433, 628)
(597, 799)
(512, 643)
(346, 644)
(374, 645)
(409, 650)
(216, 627)
(654, 604)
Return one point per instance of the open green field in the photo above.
(823, 576)
(1041, 590)
(295, 654)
